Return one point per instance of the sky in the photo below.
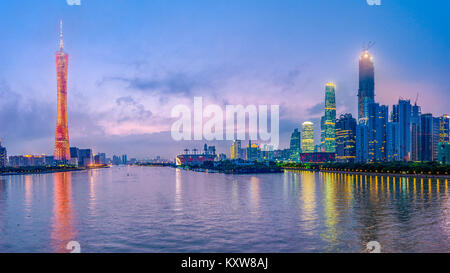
(131, 61)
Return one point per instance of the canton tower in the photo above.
(62, 150)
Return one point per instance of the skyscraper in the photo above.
(366, 91)
(329, 121)
(444, 129)
(346, 138)
(362, 141)
(392, 142)
(3, 156)
(308, 137)
(377, 137)
(235, 151)
(429, 137)
(402, 115)
(295, 146)
(415, 132)
(62, 150)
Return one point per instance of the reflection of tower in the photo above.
(366, 91)
(62, 223)
(62, 151)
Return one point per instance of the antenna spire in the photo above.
(61, 42)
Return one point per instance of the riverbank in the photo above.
(44, 170)
(228, 167)
(434, 176)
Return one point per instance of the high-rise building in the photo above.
(74, 156)
(393, 142)
(100, 158)
(329, 120)
(307, 137)
(322, 136)
(402, 113)
(295, 146)
(124, 159)
(62, 151)
(377, 135)
(444, 129)
(429, 137)
(444, 152)
(362, 141)
(366, 91)
(346, 138)
(415, 133)
(235, 151)
(253, 152)
(3, 156)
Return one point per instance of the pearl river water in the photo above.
(157, 209)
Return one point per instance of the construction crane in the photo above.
(369, 45)
(417, 98)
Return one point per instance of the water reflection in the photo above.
(164, 209)
(308, 200)
(63, 230)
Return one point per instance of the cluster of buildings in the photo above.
(196, 157)
(378, 134)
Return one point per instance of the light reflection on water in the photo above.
(139, 209)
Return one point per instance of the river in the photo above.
(156, 209)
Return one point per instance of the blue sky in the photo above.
(131, 61)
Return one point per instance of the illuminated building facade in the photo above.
(444, 129)
(402, 113)
(366, 91)
(329, 120)
(235, 151)
(429, 137)
(295, 146)
(3, 156)
(377, 134)
(415, 132)
(346, 138)
(308, 137)
(62, 149)
(393, 142)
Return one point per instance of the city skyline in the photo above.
(132, 120)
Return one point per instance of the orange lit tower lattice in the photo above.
(62, 150)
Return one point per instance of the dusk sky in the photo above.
(131, 61)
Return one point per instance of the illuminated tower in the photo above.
(62, 150)
(308, 137)
(366, 91)
(329, 122)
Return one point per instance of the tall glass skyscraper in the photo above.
(366, 91)
(329, 120)
(308, 137)
(402, 113)
(3, 156)
(415, 133)
(377, 132)
(444, 129)
(295, 146)
(346, 138)
(429, 137)
(62, 149)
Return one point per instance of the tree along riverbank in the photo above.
(229, 167)
(410, 169)
(45, 169)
